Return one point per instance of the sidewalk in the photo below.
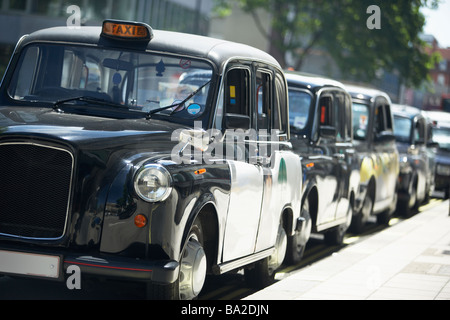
(407, 261)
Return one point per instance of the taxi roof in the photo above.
(364, 93)
(311, 81)
(440, 118)
(217, 50)
(406, 111)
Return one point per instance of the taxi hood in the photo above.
(82, 131)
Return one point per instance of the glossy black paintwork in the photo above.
(330, 168)
(106, 152)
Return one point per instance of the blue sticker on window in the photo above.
(194, 109)
(232, 101)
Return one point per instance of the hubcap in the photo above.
(193, 270)
(276, 259)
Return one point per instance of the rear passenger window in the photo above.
(263, 99)
(280, 108)
(340, 116)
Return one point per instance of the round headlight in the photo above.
(153, 183)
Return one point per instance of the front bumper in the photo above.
(54, 266)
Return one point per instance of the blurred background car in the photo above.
(441, 135)
(416, 177)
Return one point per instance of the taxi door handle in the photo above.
(260, 160)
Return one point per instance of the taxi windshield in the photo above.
(137, 81)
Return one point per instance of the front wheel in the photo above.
(359, 220)
(336, 235)
(192, 273)
(297, 243)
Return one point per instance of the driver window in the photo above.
(237, 99)
(419, 132)
(379, 119)
(236, 92)
(325, 111)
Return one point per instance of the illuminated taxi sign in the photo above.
(124, 30)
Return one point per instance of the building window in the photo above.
(441, 79)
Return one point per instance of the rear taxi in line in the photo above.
(378, 155)
(417, 162)
(320, 115)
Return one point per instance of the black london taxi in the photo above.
(320, 115)
(144, 155)
(441, 135)
(378, 155)
(416, 176)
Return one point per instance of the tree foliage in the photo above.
(339, 27)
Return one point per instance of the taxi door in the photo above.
(329, 179)
(247, 174)
(386, 153)
(275, 163)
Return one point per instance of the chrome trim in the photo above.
(228, 266)
(69, 194)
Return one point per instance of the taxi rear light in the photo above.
(123, 30)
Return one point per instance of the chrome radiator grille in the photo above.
(35, 187)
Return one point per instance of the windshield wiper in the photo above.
(58, 103)
(150, 113)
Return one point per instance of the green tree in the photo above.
(341, 28)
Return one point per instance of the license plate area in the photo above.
(30, 264)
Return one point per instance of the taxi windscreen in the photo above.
(139, 81)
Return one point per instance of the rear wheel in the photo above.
(192, 273)
(262, 273)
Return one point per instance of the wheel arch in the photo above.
(312, 195)
(207, 214)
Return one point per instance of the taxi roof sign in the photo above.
(125, 30)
